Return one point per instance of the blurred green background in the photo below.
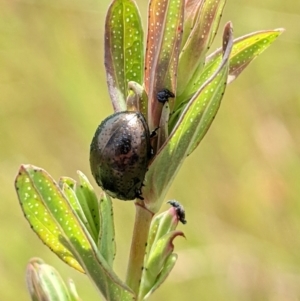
(240, 188)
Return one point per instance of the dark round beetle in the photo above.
(119, 154)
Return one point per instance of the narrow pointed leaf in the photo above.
(157, 259)
(191, 11)
(162, 52)
(209, 70)
(214, 91)
(161, 225)
(163, 131)
(76, 206)
(161, 251)
(192, 57)
(83, 200)
(67, 230)
(168, 267)
(124, 50)
(245, 50)
(188, 132)
(89, 203)
(106, 243)
(152, 234)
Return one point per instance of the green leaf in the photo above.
(161, 225)
(84, 202)
(89, 203)
(106, 240)
(245, 50)
(163, 46)
(152, 234)
(76, 206)
(163, 132)
(57, 224)
(68, 181)
(166, 270)
(159, 259)
(192, 9)
(156, 262)
(209, 70)
(188, 132)
(203, 18)
(124, 50)
(32, 197)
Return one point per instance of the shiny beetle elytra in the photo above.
(119, 154)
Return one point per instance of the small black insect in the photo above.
(164, 95)
(119, 154)
(179, 210)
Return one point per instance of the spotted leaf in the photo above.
(53, 219)
(245, 50)
(124, 50)
(189, 130)
(106, 239)
(201, 25)
(165, 25)
(157, 261)
(89, 203)
(76, 206)
(36, 191)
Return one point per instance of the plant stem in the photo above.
(142, 223)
